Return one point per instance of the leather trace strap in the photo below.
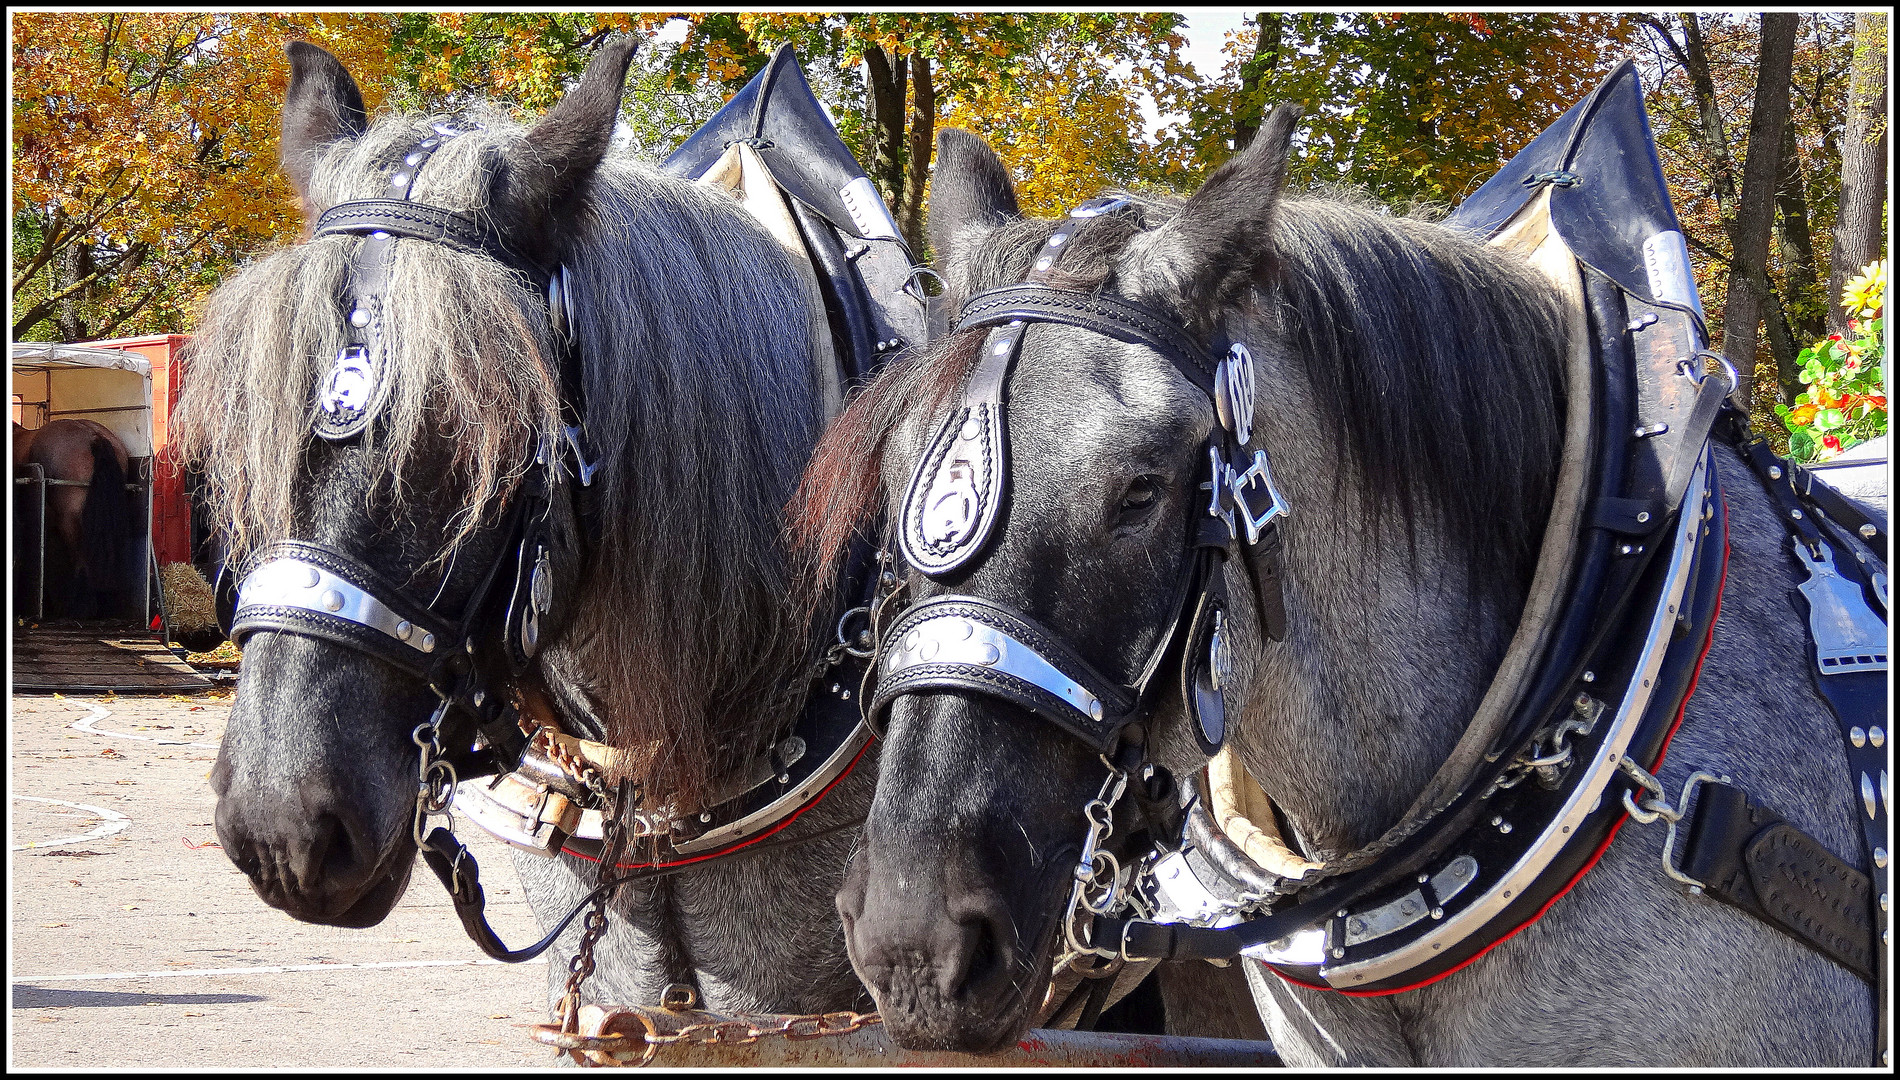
(1747, 856)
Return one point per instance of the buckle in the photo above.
(1257, 482)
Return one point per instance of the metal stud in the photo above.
(1001, 348)
(479, 697)
(1423, 876)
(707, 816)
(359, 318)
(846, 696)
(379, 235)
(404, 629)
(1642, 517)
(1505, 828)
(428, 643)
(1497, 820)
(1044, 263)
(1646, 431)
(399, 180)
(1868, 530)
(1438, 913)
(835, 688)
(1877, 735)
(1774, 472)
(412, 160)
(1880, 856)
(928, 650)
(989, 656)
(1095, 710)
(1589, 676)
(311, 578)
(1883, 901)
(1795, 514)
(1058, 239)
(1867, 795)
(910, 641)
(1856, 736)
(331, 600)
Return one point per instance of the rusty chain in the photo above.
(741, 1032)
(594, 925)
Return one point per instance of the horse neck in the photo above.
(702, 406)
(1388, 652)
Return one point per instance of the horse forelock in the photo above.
(699, 402)
(466, 351)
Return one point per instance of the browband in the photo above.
(1106, 315)
(402, 218)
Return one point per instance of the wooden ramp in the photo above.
(93, 660)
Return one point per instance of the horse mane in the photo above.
(1433, 361)
(699, 402)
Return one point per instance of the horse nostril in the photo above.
(987, 933)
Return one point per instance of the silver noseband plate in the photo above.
(293, 583)
(953, 639)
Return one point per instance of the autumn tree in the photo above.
(1704, 71)
(1412, 106)
(145, 158)
(1056, 92)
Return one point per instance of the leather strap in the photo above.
(402, 218)
(1749, 857)
(1102, 314)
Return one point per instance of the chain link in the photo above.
(594, 923)
(741, 1032)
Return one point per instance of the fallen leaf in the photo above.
(53, 925)
(500, 1016)
(194, 1014)
(130, 907)
(196, 847)
(110, 752)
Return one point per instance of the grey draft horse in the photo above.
(684, 631)
(1410, 393)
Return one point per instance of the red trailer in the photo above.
(129, 385)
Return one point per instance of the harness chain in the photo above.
(613, 842)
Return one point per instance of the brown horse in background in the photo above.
(89, 516)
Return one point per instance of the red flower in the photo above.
(1831, 442)
(1834, 337)
(1852, 364)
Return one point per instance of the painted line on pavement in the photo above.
(115, 822)
(272, 969)
(100, 712)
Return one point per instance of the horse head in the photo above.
(1099, 489)
(381, 411)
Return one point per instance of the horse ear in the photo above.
(1206, 256)
(321, 105)
(567, 145)
(970, 190)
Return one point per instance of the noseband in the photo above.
(969, 643)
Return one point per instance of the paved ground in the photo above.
(135, 942)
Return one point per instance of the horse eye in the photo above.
(1141, 495)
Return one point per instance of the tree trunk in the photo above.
(885, 111)
(923, 134)
(1802, 301)
(1857, 233)
(1714, 137)
(1266, 56)
(1748, 293)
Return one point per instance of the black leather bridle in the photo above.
(970, 643)
(318, 591)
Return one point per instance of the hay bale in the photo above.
(188, 598)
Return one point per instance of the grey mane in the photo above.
(698, 399)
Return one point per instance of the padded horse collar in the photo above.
(962, 642)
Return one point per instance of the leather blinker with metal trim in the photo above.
(960, 482)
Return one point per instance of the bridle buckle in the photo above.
(1256, 482)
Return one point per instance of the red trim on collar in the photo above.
(820, 797)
